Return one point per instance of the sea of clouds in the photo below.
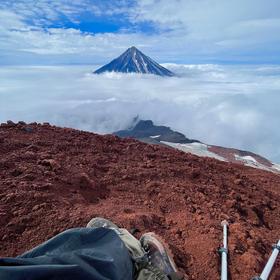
(233, 106)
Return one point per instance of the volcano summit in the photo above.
(134, 61)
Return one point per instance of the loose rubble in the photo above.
(52, 179)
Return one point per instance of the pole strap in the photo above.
(276, 246)
(223, 250)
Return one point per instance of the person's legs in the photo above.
(153, 260)
(138, 254)
(75, 254)
(101, 222)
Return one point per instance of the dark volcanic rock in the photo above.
(147, 129)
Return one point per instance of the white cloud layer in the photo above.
(233, 106)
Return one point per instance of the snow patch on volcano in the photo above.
(198, 149)
(252, 162)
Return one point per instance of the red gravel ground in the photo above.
(52, 179)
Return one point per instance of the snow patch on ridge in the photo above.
(252, 162)
(276, 167)
(198, 149)
(246, 159)
(136, 61)
(201, 150)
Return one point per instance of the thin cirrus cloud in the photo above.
(233, 106)
(181, 31)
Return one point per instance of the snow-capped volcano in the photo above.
(134, 61)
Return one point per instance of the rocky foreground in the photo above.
(52, 179)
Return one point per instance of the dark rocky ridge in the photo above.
(145, 129)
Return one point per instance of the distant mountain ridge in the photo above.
(146, 131)
(134, 61)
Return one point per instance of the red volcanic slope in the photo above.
(52, 179)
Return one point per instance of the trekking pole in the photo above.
(224, 251)
(269, 265)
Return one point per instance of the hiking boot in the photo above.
(159, 253)
(101, 222)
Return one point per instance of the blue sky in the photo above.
(179, 31)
